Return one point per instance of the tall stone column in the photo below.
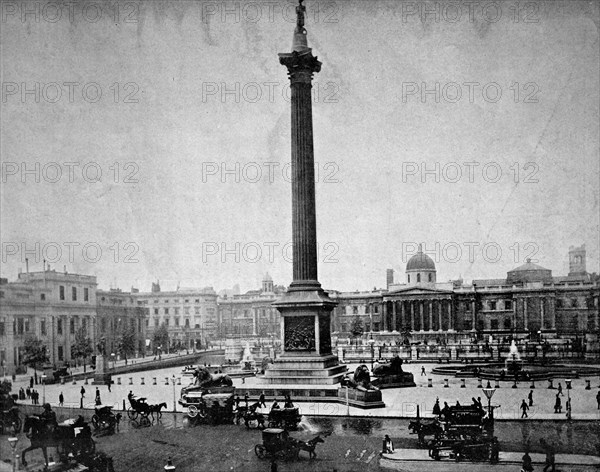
(421, 316)
(440, 325)
(525, 319)
(305, 308)
(412, 315)
(385, 316)
(430, 315)
(450, 321)
(394, 319)
(541, 313)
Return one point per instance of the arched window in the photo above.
(418, 277)
(506, 323)
(430, 278)
(408, 278)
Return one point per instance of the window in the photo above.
(574, 302)
(176, 310)
(166, 311)
(59, 327)
(559, 303)
(355, 310)
(166, 321)
(156, 322)
(197, 300)
(26, 325)
(43, 327)
(61, 353)
(176, 321)
(186, 311)
(430, 278)
(508, 305)
(187, 322)
(507, 323)
(493, 307)
(493, 324)
(72, 326)
(42, 296)
(187, 301)
(2, 328)
(84, 324)
(408, 278)
(418, 278)
(147, 322)
(103, 325)
(86, 294)
(197, 310)
(74, 293)
(20, 326)
(61, 292)
(1, 294)
(156, 311)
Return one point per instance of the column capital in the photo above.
(301, 67)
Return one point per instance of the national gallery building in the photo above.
(529, 302)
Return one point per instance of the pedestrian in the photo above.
(273, 466)
(557, 405)
(28, 393)
(246, 399)
(98, 401)
(388, 445)
(530, 396)
(560, 389)
(524, 407)
(109, 384)
(436, 407)
(494, 450)
(527, 463)
(568, 406)
(61, 399)
(550, 456)
(598, 399)
(31, 383)
(261, 400)
(423, 371)
(82, 391)
(236, 400)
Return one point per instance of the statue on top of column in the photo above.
(300, 9)
(101, 346)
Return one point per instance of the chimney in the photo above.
(389, 274)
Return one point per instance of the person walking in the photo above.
(98, 401)
(560, 389)
(527, 465)
(524, 408)
(31, 383)
(61, 399)
(550, 456)
(28, 393)
(82, 392)
(388, 445)
(261, 400)
(530, 397)
(436, 407)
(423, 371)
(598, 399)
(109, 384)
(557, 405)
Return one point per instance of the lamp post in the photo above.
(3, 370)
(489, 393)
(174, 402)
(112, 357)
(43, 388)
(13, 444)
(568, 384)
(371, 343)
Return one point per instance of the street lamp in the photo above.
(13, 444)
(568, 383)
(43, 388)
(371, 342)
(112, 356)
(489, 393)
(174, 402)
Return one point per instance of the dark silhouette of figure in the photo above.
(527, 463)
(560, 389)
(530, 397)
(557, 405)
(598, 399)
(98, 401)
(436, 407)
(550, 456)
(423, 371)
(61, 399)
(524, 408)
(261, 400)
(82, 392)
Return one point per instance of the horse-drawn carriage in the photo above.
(72, 438)
(286, 418)
(10, 419)
(204, 383)
(140, 411)
(104, 420)
(465, 435)
(212, 408)
(278, 444)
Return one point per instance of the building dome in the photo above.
(267, 278)
(420, 261)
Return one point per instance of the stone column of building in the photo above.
(402, 315)
(450, 321)
(525, 318)
(552, 312)
(542, 313)
(384, 314)
(474, 311)
(412, 315)
(421, 314)
(514, 314)
(430, 315)
(440, 324)
(394, 319)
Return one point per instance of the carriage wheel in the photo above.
(132, 413)
(260, 451)
(192, 411)
(96, 421)
(145, 421)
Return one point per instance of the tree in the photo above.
(126, 344)
(357, 328)
(161, 337)
(82, 347)
(5, 387)
(34, 352)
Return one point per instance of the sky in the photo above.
(150, 140)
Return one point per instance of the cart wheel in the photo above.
(145, 421)
(96, 421)
(260, 451)
(132, 413)
(192, 411)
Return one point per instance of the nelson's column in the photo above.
(305, 308)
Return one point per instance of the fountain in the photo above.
(247, 363)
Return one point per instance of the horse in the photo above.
(310, 446)
(156, 409)
(62, 437)
(424, 429)
(252, 415)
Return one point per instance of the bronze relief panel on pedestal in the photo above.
(299, 333)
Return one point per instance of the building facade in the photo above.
(189, 314)
(49, 305)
